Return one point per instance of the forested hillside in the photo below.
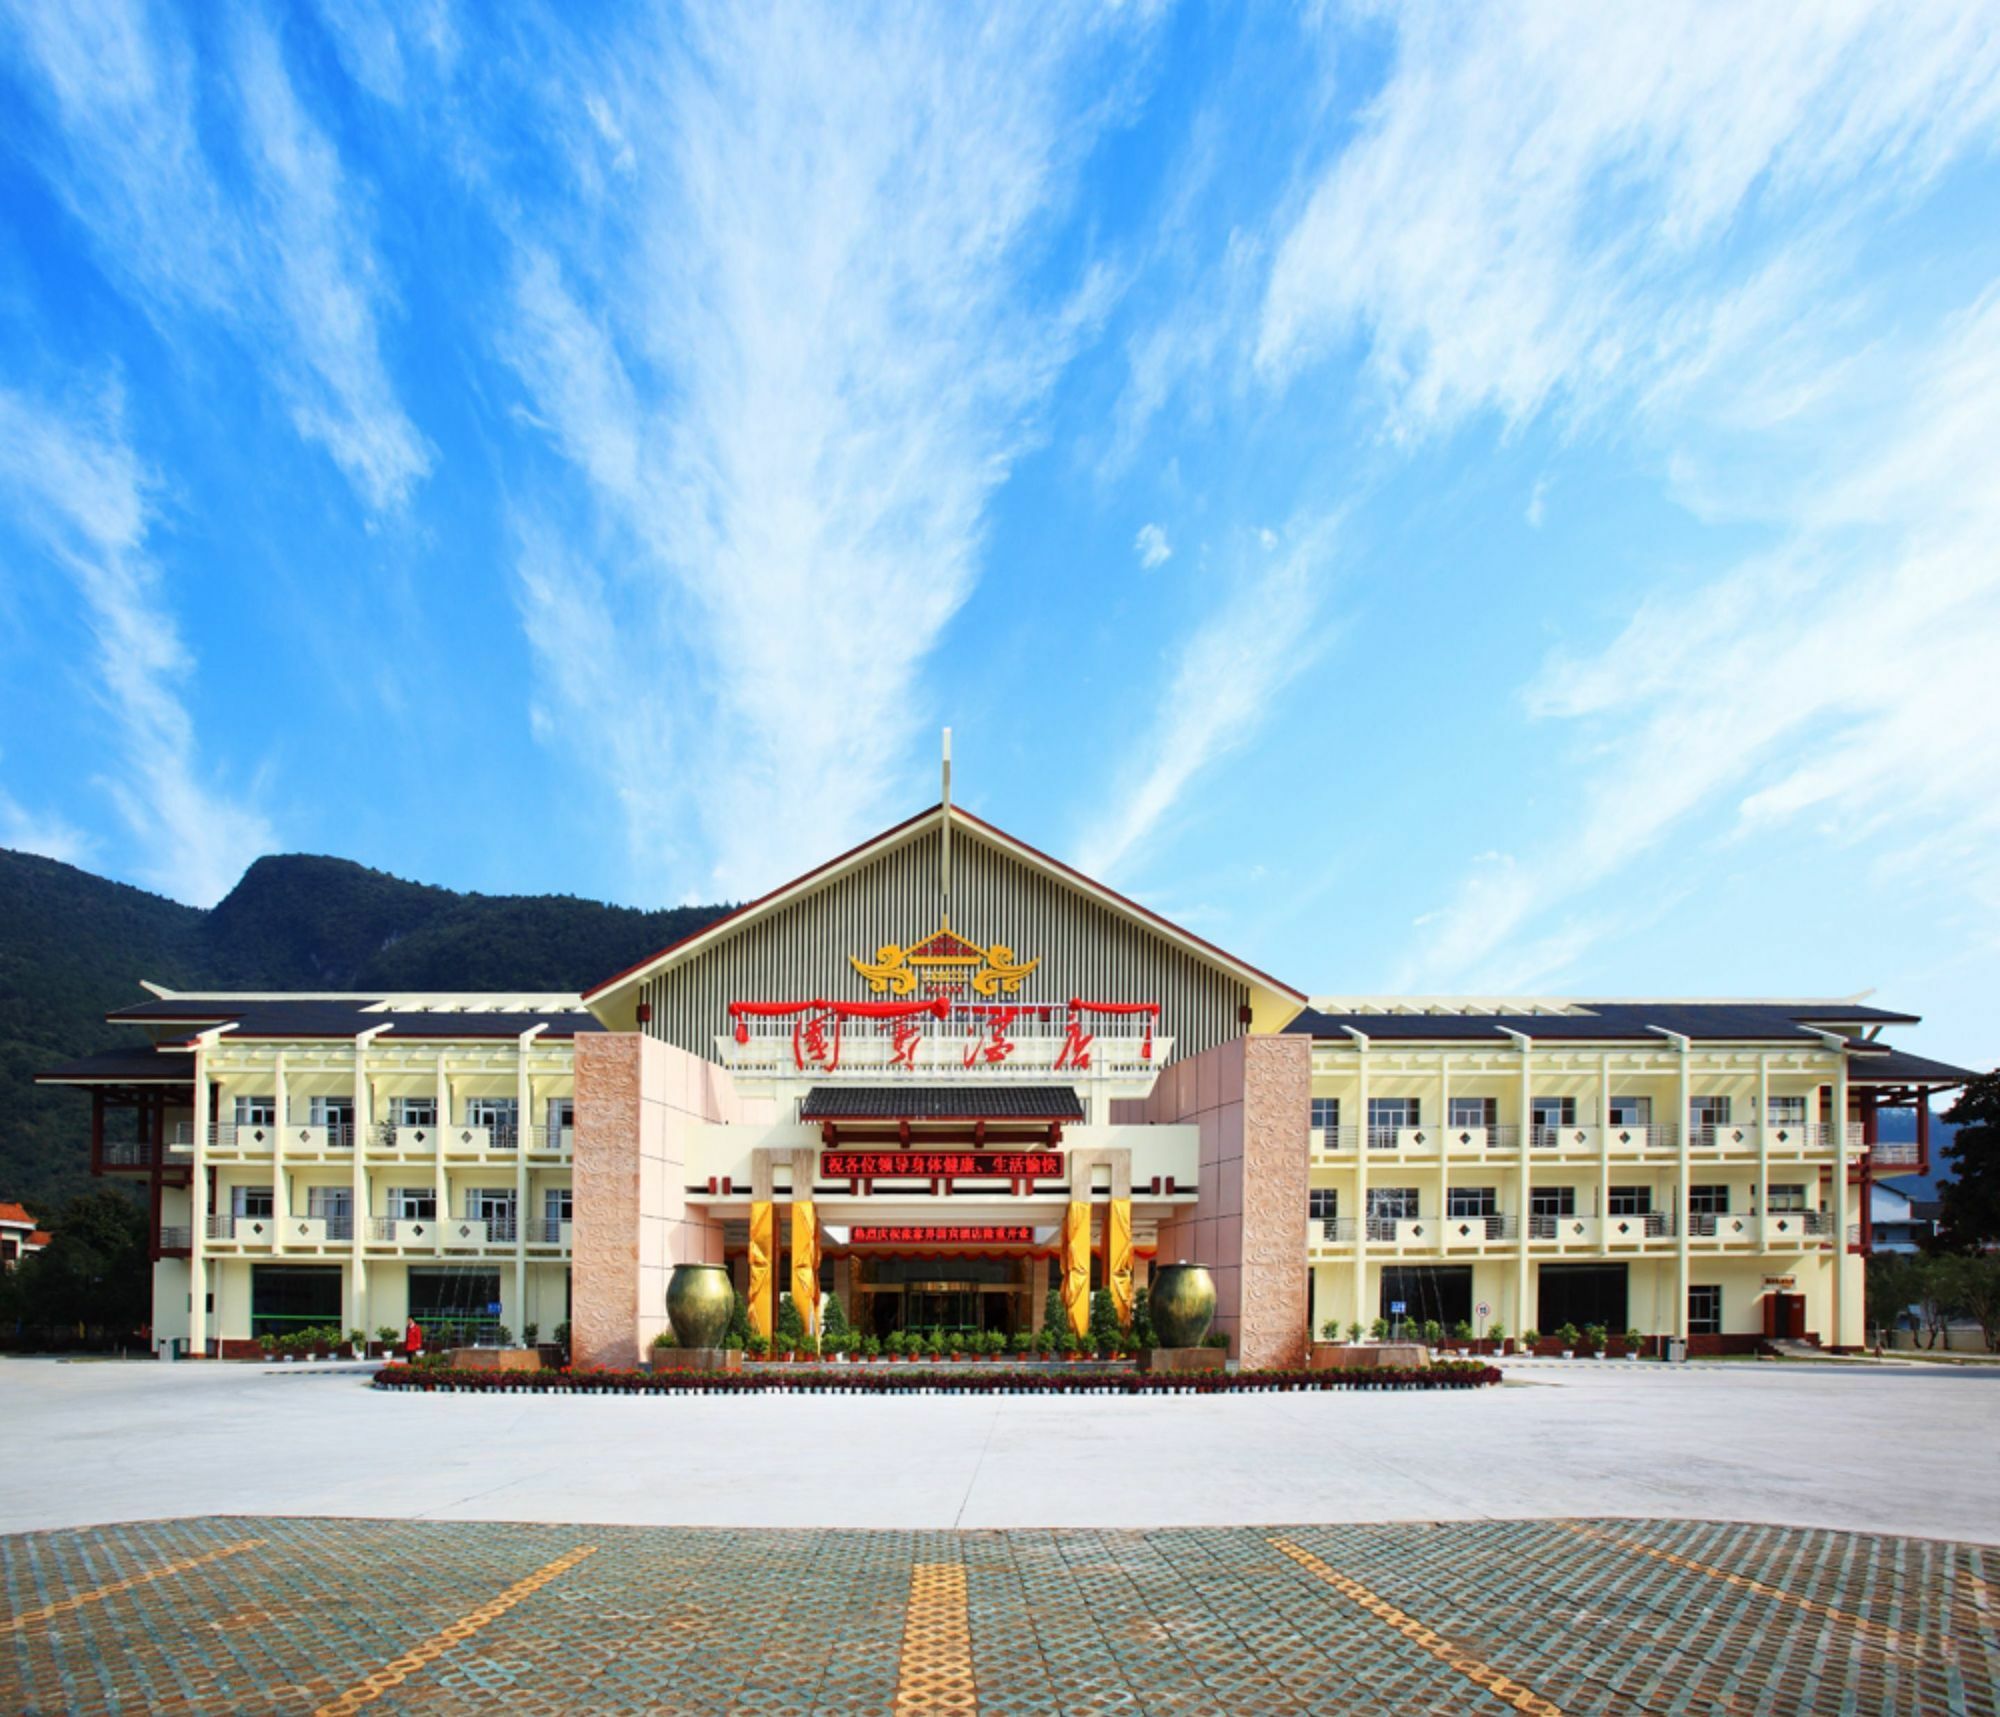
(74, 945)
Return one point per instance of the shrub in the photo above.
(530, 1331)
(833, 1322)
(1106, 1332)
(666, 1338)
(1216, 1338)
(388, 1335)
(1496, 1332)
(1461, 1331)
(1354, 1331)
(1024, 1341)
(791, 1327)
(1569, 1335)
(1379, 1329)
(1634, 1341)
(502, 1336)
(739, 1322)
(562, 1335)
(1330, 1330)
(1054, 1314)
(1431, 1331)
(1144, 1336)
(1529, 1337)
(268, 1342)
(1045, 1340)
(871, 1347)
(757, 1344)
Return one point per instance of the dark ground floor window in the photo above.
(455, 1304)
(1581, 1294)
(288, 1297)
(1439, 1293)
(1704, 1310)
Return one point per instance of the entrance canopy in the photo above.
(941, 1103)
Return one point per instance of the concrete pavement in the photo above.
(1906, 1450)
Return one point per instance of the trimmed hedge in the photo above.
(932, 1380)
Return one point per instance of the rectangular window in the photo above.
(562, 1114)
(1390, 1112)
(1472, 1201)
(497, 1115)
(1629, 1201)
(1554, 1111)
(413, 1203)
(1391, 1203)
(1788, 1196)
(1323, 1203)
(256, 1111)
(1705, 1114)
(1325, 1114)
(416, 1112)
(1708, 1200)
(329, 1203)
(330, 1111)
(1787, 1112)
(1704, 1310)
(251, 1201)
(556, 1204)
(1631, 1112)
(494, 1206)
(1552, 1201)
(1473, 1112)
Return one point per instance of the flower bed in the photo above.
(931, 1380)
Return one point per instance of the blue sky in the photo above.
(1450, 500)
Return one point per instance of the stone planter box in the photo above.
(1336, 1356)
(1183, 1359)
(495, 1359)
(695, 1359)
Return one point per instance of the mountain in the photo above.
(73, 946)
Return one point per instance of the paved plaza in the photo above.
(264, 1615)
(1766, 1539)
(1911, 1450)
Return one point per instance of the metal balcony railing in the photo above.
(1489, 1225)
(1898, 1153)
(337, 1227)
(542, 1231)
(176, 1239)
(1336, 1230)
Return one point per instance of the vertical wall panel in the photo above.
(1086, 948)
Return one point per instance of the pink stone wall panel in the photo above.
(1277, 1104)
(636, 1099)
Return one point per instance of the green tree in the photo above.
(1142, 1319)
(1106, 1333)
(1970, 1200)
(791, 1327)
(94, 1278)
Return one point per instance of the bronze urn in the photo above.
(1182, 1303)
(700, 1300)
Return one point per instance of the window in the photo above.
(1389, 1203)
(1392, 1112)
(1788, 1196)
(1554, 1111)
(1704, 1115)
(1473, 1112)
(494, 1206)
(562, 1114)
(1552, 1201)
(1629, 1201)
(256, 1111)
(1708, 1200)
(497, 1115)
(331, 1111)
(413, 1203)
(1704, 1310)
(416, 1112)
(556, 1205)
(1787, 1112)
(326, 1202)
(1472, 1201)
(288, 1297)
(1325, 1114)
(1323, 1203)
(1631, 1112)
(251, 1201)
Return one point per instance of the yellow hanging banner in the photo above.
(1118, 1257)
(1076, 1265)
(762, 1251)
(805, 1263)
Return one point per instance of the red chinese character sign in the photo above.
(816, 1025)
(941, 1165)
(942, 1234)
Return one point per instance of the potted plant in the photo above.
(871, 1348)
(1355, 1331)
(757, 1344)
(1569, 1335)
(1045, 1342)
(1379, 1330)
(1530, 1340)
(1497, 1335)
(269, 1343)
(357, 1343)
(1024, 1343)
(562, 1339)
(1635, 1344)
(528, 1334)
(1216, 1338)
(1432, 1333)
(934, 1347)
(1330, 1330)
(386, 1336)
(1072, 1345)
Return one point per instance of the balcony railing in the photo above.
(542, 1231)
(176, 1239)
(1896, 1153)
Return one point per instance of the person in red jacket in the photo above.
(413, 1340)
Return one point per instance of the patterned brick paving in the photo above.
(303, 1616)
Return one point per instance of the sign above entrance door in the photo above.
(941, 1165)
(944, 963)
(933, 1234)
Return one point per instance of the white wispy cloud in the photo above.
(1539, 202)
(74, 483)
(283, 259)
(1152, 547)
(45, 832)
(1841, 681)
(794, 353)
(1265, 631)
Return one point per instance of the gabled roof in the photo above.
(941, 1103)
(613, 999)
(15, 1216)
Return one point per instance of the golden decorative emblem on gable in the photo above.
(942, 962)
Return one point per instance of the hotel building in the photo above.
(944, 1073)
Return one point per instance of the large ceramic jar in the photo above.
(1182, 1299)
(699, 1302)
